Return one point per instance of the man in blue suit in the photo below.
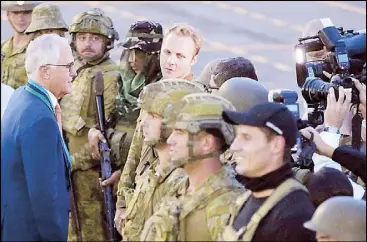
(35, 163)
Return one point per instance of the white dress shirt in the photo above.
(6, 92)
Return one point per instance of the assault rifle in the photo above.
(105, 151)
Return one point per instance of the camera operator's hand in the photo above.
(336, 110)
(362, 96)
(321, 146)
(332, 78)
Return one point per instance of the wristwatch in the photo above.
(332, 129)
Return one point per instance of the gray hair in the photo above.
(45, 49)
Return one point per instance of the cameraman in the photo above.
(311, 29)
(327, 142)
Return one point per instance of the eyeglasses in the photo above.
(69, 66)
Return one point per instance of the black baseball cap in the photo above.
(275, 116)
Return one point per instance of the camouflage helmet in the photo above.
(200, 111)
(155, 97)
(18, 6)
(46, 16)
(144, 35)
(243, 93)
(96, 22)
(341, 217)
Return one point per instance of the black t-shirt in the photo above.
(284, 222)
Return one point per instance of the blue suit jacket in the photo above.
(34, 172)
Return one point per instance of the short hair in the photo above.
(45, 49)
(187, 31)
(233, 67)
(219, 139)
(270, 134)
(326, 183)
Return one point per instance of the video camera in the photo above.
(344, 55)
(346, 52)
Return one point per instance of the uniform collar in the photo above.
(8, 47)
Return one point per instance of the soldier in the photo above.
(139, 66)
(262, 149)
(12, 67)
(46, 19)
(93, 35)
(156, 178)
(6, 92)
(340, 218)
(200, 209)
(180, 49)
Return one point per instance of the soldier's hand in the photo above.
(119, 216)
(114, 179)
(94, 136)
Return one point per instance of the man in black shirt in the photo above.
(276, 205)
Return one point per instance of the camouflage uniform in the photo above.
(13, 71)
(46, 16)
(147, 37)
(79, 115)
(154, 179)
(199, 215)
(127, 178)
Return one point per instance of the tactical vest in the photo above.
(169, 222)
(75, 106)
(247, 232)
(13, 71)
(144, 166)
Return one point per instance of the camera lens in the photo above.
(315, 90)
